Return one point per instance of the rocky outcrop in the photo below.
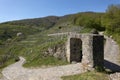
(57, 51)
(115, 76)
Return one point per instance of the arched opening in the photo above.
(75, 50)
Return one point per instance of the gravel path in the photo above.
(111, 55)
(112, 58)
(111, 50)
(17, 72)
(115, 76)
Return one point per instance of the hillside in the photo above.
(29, 39)
(34, 39)
(28, 26)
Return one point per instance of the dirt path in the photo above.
(17, 72)
(111, 54)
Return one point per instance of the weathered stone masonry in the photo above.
(85, 48)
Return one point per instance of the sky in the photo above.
(24, 9)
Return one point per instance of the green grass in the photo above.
(33, 52)
(85, 30)
(45, 61)
(36, 58)
(87, 76)
(11, 61)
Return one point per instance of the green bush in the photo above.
(17, 58)
(99, 69)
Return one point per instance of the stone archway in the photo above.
(76, 49)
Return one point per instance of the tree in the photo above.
(94, 24)
(111, 19)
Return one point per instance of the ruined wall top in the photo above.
(73, 34)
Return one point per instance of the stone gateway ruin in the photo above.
(85, 48)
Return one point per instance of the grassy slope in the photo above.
(11, 49)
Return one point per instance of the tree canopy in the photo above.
(111, 19)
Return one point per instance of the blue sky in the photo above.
(22, 9)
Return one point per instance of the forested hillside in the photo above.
(111, 21)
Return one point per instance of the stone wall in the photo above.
(85, 48)
(58, 51)
(92, 46)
